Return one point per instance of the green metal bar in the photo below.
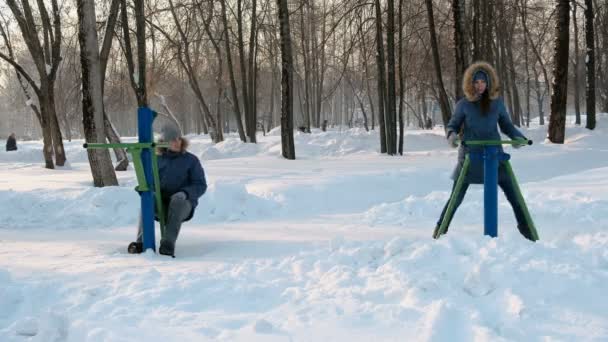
(494, 142)
(139, 169)
(135, 150)
(522, 202)
(157, 195)
(126, 145)
(452, 203)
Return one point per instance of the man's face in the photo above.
(175, 145)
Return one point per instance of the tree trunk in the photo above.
(47, 141)
(444, 102)
(559, 97)
(219, 127)
(526, 61)
(363, 51)
(575, 60)
(138, 81)
(241, 48)
(122, 161)
(287, 142)
(539, 97)
(250, 76)
(401, 79)
(235, 98)
(488, 8)
(459, 46)
(391, 112)
(92, 95)
(320, 65)
(60, 157)
(516, 115)
(381, 78)
(601, 31)
(306, 62)
(140, 31)
(476, 16)
(540, 62)
(46, 57)
(590, 64)
(359, 102)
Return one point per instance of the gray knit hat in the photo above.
(169, 132)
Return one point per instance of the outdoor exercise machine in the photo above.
(491, 157)
(146, 171)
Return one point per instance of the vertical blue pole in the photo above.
(490, 191)
(145, 116)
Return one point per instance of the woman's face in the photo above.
(480, 86)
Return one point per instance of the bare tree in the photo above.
(92, 95)
(287, 142)
(185, 59)
(235, 99)
(459, 45)
(559, 97)
(248, 69)
(391, 112)
(110, 131)
(601, 45)
(590, 64)
(401, 78)
(138, 81)
(47, 57)
(575, 65)
(381, 80)
(444, 102)
(536, 49)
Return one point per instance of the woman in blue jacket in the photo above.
(182, 183)
(480, 113)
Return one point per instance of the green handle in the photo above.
(494, 142)
(126, 145)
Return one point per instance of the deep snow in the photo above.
(333, 246)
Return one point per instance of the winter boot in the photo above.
(167, 249)
(135, 248)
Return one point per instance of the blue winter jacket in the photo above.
(480, 127)
(181, 171)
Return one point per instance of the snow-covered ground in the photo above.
(334, 246)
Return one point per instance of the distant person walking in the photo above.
(11, 143)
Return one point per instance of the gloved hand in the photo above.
(520, 142)
(179, 196)
(453, 140)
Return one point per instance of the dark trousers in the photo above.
(508, 188)
(177, 211)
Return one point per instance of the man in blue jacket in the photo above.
(182, 183)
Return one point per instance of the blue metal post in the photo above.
(490, 191)
(145, 117)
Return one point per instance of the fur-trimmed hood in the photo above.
(467, 81)
(184, 149)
